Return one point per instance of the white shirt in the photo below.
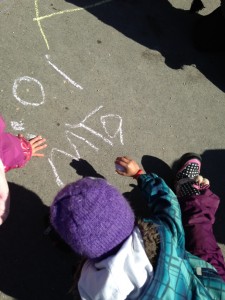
(120, 276)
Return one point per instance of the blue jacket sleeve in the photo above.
(163, 204)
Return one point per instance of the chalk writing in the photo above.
(111, 123)
(119, 130)
(83, 139)
(63, 74)
(77, 155)
(51, 159)
(28, 79)
(17, 125)
(38, 19)
(39, 24)
(81, 124)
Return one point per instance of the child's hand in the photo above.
(37, 144)
(130, 166)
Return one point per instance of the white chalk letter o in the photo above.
(28, 79)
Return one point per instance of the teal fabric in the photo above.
(178, 274)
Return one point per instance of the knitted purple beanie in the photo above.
(92, 216)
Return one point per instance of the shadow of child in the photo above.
(84, 168)
(31, 266)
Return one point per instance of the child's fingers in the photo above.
(120, 173)
(35, 150)
(38, 154)
(38, 148)
(118, 160)
(202, 182)
(198, 179)
(205, 181)
(123, 159)
(126, 159)
(36, 139)
(38, 142)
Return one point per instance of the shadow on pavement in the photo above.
(32, 267)
(157, 25)
(155, 165)
(213, 168)
(84, 168)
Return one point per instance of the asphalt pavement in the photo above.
(99, 79)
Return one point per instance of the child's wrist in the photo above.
(139, 172)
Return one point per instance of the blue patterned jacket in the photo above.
(178, 274)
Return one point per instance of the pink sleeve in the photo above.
(14, 152)
(2, 125)
(27, 149)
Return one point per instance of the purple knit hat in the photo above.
(92, 216)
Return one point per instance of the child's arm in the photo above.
(33, 146)
(4, 195)
(17, 151)
(160, 198)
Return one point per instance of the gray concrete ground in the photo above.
(99, 80)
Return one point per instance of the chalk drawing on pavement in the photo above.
(19, 126)
(109, 118)
(104, 121)
(81, 124)
(28, 79)
(63, 74)
(83, 139)
(54, 151)
(38, 18)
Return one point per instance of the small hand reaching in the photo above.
(129, 166)
(37, 143)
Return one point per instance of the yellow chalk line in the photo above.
(69, 10)
(39, 24)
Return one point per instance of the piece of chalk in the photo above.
(119, 168)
